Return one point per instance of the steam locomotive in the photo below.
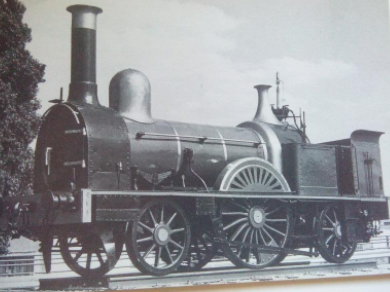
(175, 194)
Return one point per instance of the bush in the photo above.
(20, 75)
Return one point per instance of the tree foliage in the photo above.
(20, 75)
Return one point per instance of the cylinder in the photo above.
(83, 87)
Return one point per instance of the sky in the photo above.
(204, 57)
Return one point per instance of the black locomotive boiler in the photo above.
(175, 193)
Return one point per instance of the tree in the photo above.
(20, 75)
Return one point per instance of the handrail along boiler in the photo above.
(175, 193)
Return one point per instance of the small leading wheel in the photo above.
(202, 249)
(247, 223)
(158, 242)
(332, 244)
(84, 253)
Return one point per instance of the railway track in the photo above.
(298, 270)
(370, 259)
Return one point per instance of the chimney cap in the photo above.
(262, 86)
(85, 8)
(84, 16)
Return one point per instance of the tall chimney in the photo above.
(264, 112)
(83, 87)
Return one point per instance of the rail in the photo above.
(209, 276)
(365, 261)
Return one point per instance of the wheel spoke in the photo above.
(243, 240)
(149, 250)
(239, 206)
(270, 181)
(100, 258)
(249, 171)
(238, 231)
(145, 239)
(144, 226)
(334, 247)
(234, 213)
(247, 203)
(153, 219)
(176, 244)
(246, 178)
(262, 237)
(157, 257)
(162, 215)
(234, 223)
(275, 230)
(266, 178)
(171, 219)
(177, 230)
(256, 250)
(272, 240)
(169, 253)
(327, 217)
(237, 184)
(255, 175)
(261, 173)
(89, 258)
(274, 184)
(335, 216)
(327, 229)
(238, 178)
(78, 255)
(250, 241)
(329, 239)
(269, 213)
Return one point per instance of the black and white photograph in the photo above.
(194, 145)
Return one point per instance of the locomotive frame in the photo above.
(102, 182)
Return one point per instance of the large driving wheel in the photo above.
(158, 242)
(247, 223)
(202, 249)
(332, 244)
(84, 253)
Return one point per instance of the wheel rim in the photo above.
(158, 242)
(84, 253)
(254, 222)
(332, 244)
(202, 248)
